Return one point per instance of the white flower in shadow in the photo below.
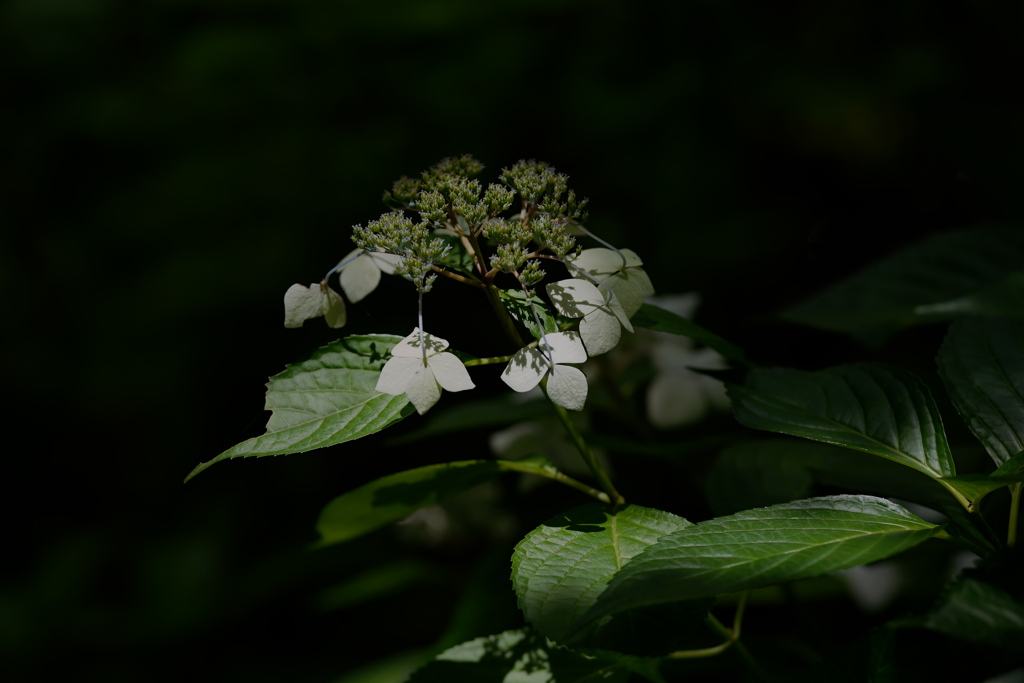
(421, 372)
(603, 319)
(361, 275)
(303, 303)
(621, 271)
(567, 386)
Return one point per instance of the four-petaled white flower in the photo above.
(628, 280)
(567, 386)
(602, 321)
(362, 275)
(302, 303)
(421, 372)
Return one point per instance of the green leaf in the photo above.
(882, 410)
(949, 274)
(658, 319)
(396, 496)
(457, 259)
(760, 473)
(521, 656)
(982, 365)
(520, 308)
(1012, 467)
(325, 400)
(560, 568)
(760, 548)
(978, 612)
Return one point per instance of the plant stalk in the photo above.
(1011, 532)
(556, 475)
(588, 455)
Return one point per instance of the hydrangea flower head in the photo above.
(420, 372)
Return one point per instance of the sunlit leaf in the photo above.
(982, 365)
(971, 271)
(529, 311)
(325, 400)
(560, 568)
(762, 547)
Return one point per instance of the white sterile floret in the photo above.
(628, 280)
(603, 319)
(302, 303)
(421, 373)
(362, 275)
(567, 386)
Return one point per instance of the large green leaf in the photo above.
(882, 410)
(560, 568)
(971, 271)
(396, 496)
(658, 319)
(976, 611)
(762, 547)
(760, 473)
(982, 365)
(529, 311)
(521, 656)
(325, 400)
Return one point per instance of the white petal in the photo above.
(615, 307)
(450, 373)
(567, 387)
(630, 288)
(566, 347)
(423, 391)
(410, 346)
(525, 370)
(302, 303)
(600, 332)
(359, 278)
(598, 260)
(575, 298)
(397, 374)
(334, 308)
(632, 260)
(385, 262)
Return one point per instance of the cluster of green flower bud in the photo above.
(420, 250)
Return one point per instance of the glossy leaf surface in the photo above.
(982, 366)
(763, 547)
(560, 568)
(976, 611)
(325, 400)
(879, 409)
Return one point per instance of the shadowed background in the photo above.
(169, 168)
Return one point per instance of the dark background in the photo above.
(170, 167)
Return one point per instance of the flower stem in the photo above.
(588, 455)
(1011, 532)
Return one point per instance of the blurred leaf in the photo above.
(658, 319)
(503, 409)
(760, 548)
(325, 400)
(395, 668)
(982, 365)
(377, 582)
(971, 271)
(396, 496)
(869, 659)
(521, 656)
(976, 611)
(760, 473)
(520, 308)
(560, 568)
(882, 410)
